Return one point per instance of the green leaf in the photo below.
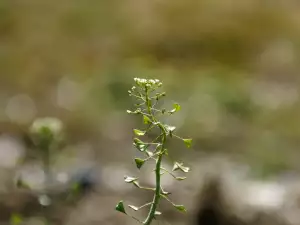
(141, 146)
(177, 107)
(188, 142)
(139, 132)
(135, 208)
(16, 219)
(180, 208)
(180, 178)
(120, 207)
(130, 179)
(137, 141)
(179, 166)
(139, 162)
(146, 120)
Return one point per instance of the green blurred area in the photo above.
(232, 65)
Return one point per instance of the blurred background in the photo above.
(232, 66)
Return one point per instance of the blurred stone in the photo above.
(11, 151)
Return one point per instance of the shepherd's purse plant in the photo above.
(148, 96)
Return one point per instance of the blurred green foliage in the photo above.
(214, 46)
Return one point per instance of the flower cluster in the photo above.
(148, 83)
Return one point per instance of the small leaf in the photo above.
(138, 111)
(135, 208)
(180, 178)
(137, 141)
(188, 142)
(177, 107)
(141, 146)
(180, 208)
(120, 207)
(165, 193)
(179, 166)
(130, 179)
(150, 154)
(157, 213)
(139, 162)
(175, 167)
(146, 120)
(172, 111)
(170, 128)
(139, 132)
(185, 169)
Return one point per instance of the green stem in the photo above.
(157, 194)
(46, 162)
(156, 198)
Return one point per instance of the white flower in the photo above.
(147, 82)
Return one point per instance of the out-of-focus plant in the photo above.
(46, 134)
(147, 94)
